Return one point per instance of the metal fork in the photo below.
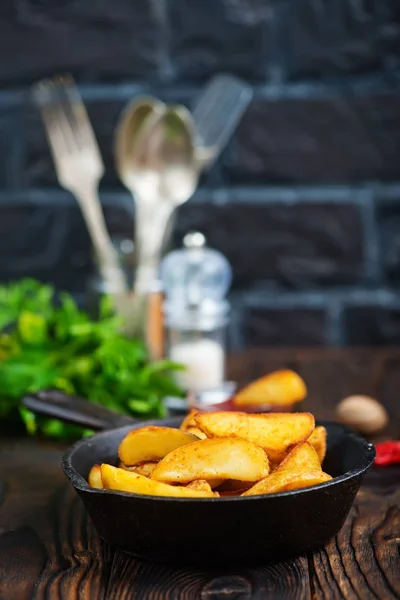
(78, 164)
(217, 113)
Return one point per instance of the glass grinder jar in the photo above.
(195, 281)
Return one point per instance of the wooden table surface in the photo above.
(49, 549)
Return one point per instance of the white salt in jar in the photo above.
(197, 341)
(195, 281)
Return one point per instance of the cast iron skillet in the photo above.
(207, 531)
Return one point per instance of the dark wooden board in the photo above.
(49, 549)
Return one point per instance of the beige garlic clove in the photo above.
(363, 413)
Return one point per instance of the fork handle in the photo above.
(90, 205)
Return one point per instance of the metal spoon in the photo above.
(128, 127)
(163, 174)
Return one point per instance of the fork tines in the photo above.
(67, 124)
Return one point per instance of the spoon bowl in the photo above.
(165, 175)
(157, 161)
(129, 125)
(163, 161)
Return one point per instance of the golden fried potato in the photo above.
(301, 468)
(200, 485)
(290, 480)
(189, 424)
(126, 468)
(217, 458)
(280, 388)
(150, 444)
(197, 432)
(274, 432)
(188, 421)
(144, 469)
(308, 479)
(303, 457)
(126, 481)
(318, 440)
(94, 477)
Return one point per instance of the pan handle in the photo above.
(71, 409)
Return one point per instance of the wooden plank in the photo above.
(146, 581)
(330, 381)
(363, 561)
(38, 504)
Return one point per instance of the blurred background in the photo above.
(304, 202)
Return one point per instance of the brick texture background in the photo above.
(305, 201)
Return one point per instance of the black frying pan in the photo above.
(207, 531)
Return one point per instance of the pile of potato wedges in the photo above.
(219, 454)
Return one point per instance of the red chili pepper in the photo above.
(387, 453)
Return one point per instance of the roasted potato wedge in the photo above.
(94, 477)
(151, 443)
(200, 485)
(280, 388)
(189, 424)
(235, 453)
(188, 421)
(274, 432)
(121, 465)
(197, 432)
(308, 479)
(301, 468)
(144, 469)
(303, 457)
(318, 440)
(127, 481)
(283, 482)
(217, 458)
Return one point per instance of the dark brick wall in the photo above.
(305, 201)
